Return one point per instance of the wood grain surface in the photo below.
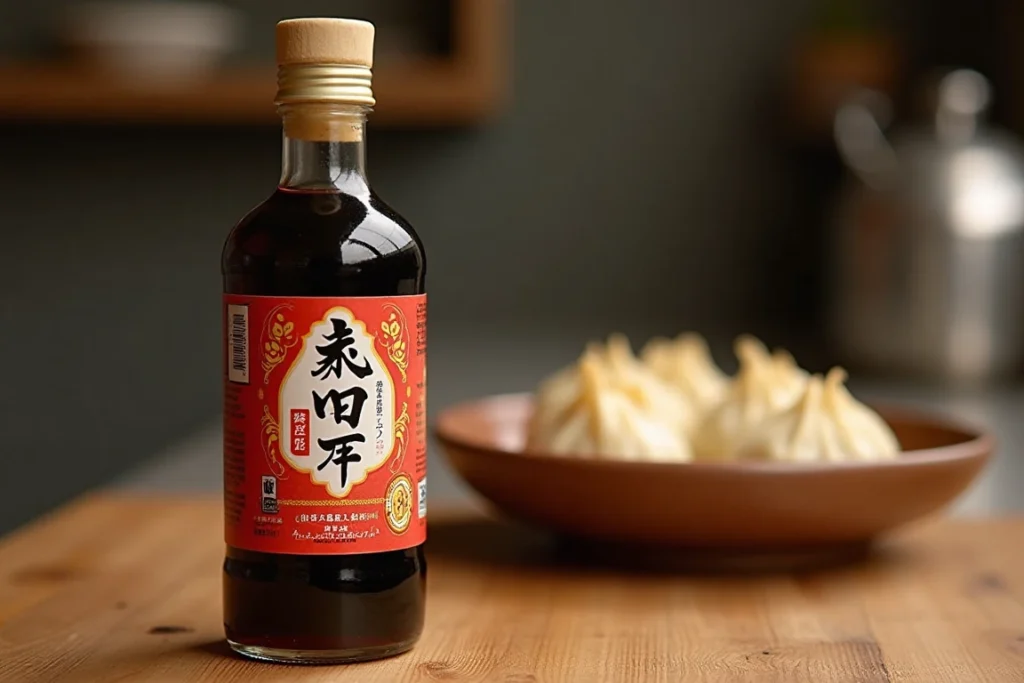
(128, 589)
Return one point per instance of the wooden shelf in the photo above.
(423, 93)
(465, 88)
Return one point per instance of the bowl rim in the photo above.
(981, 443)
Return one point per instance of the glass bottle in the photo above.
(325, 329)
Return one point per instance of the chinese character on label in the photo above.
(299, 422)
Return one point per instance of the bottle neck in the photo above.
(324, 147)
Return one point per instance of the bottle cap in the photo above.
(324, 60)
(325, 41)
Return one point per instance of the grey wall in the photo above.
(632, 179)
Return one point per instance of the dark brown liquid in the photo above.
(324, 244)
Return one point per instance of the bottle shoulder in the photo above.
(325, 236)
(318, 223)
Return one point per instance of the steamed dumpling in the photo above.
(788, 379)
(686, 364)
(620, 369)
(606, 421)
(650, 392)
(826, 424)
(608, 405)
(765, 385)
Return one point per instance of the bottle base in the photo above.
(287, 656)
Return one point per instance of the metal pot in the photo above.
(928, 248)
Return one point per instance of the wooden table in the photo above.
(128, 589)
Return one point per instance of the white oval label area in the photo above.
(337, 405)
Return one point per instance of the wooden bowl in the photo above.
(710, 505)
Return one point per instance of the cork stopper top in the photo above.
(325, 41)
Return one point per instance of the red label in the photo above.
(324, 424)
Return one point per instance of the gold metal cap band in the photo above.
(342, 83)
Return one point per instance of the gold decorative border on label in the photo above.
(394, 337)
(401, 436)
(333, 502)
(278, 336)
(271, 440)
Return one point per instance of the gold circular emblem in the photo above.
(398, 504)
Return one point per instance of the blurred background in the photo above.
(574, 168)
